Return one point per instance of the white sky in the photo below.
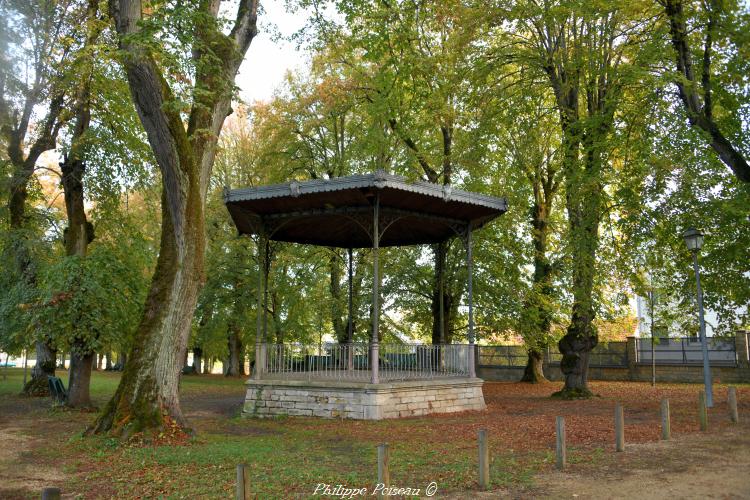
(269, 58)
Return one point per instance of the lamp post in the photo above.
(694, 242)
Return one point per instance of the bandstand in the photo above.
(362, 380)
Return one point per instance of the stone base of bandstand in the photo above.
(362, 401)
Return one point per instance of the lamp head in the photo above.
(693, 239)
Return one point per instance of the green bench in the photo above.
(57, 390)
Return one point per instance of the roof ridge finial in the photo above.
(447, 190)
(294, 188)
(379, 178)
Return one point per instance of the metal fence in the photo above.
(667, 351)
(604, 355)
(610, 354)
(685, 351)
(502, 355)
(352, 362)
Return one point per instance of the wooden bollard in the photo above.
(702, 412)
(560, 448)
(619, 428)
(242, 491)
(484, 460)
(666, 425)
(51, 494)
(384, 476)
(732, 400)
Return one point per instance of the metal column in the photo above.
(374, 348)
(259, 351)
(350, 325)
(704, 342)
(470, 272)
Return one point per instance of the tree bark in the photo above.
(197, 359)
(80, 379)
(337, 310)
(148, 394)
(583, 203)
(534, 371)
(579, 56)
(148, 390)
(46, 358)
(234, 344)
(537, 314)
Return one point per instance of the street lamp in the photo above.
(694, 242)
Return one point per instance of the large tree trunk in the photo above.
(534, 371)
(583, 203)
(148, 393)
(234, 343)
(149, 389)
(197, 358)
(80, 379)
(44, 367)
(78, 234)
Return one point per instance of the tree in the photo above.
(80, 232)
(32, 77)
(407, 66)
(534, 155)
(148, 391)
(582, 52)
(721, 38)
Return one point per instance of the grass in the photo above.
(290, 456)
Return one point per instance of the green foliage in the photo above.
(92, 299)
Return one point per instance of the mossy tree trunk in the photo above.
(536, 317)
(148, 392)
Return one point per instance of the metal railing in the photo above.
(503, 355)
(685, 351)
(353, 362)
(604, 355)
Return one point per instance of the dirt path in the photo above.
(715, 465)
(20, 473)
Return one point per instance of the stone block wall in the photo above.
(361, 401)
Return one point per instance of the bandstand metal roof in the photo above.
(338, 212)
